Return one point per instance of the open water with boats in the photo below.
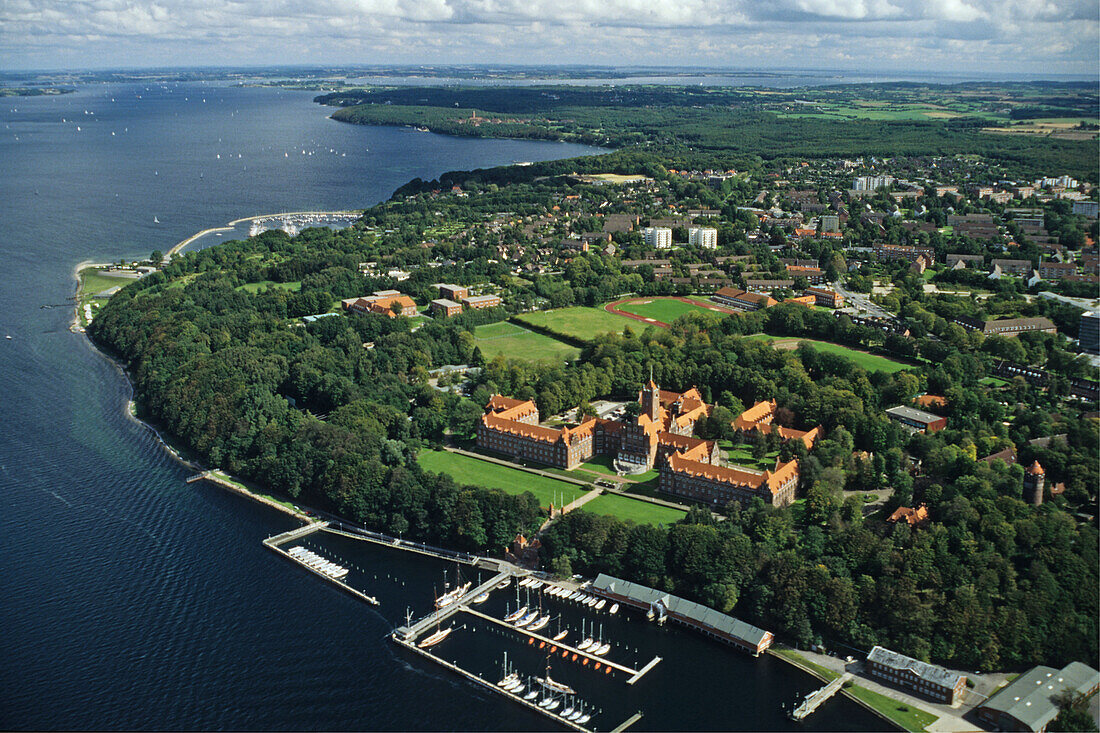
(132, 599)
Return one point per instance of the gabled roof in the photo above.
(694, 612)
(1030, 697)
(923, 670)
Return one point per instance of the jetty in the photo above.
(410, 632)
(489, 685)
(276, 545)
(814, 700)
(635, 674)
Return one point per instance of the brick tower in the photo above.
(1034, 480)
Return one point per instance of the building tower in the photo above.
(651, 399)
(1034, 481)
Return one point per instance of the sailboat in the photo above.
(435, 638)
(156, 220)
(540, 623)
(549, 683)
(516, 615)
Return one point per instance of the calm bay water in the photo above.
(134, 600)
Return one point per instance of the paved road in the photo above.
(861, 301)
(950, 718)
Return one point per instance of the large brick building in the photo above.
(661, 435)
(936, 683)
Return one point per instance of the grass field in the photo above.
(741, 455)
(91, 282)
(514, 342)
(907, 716)
(254, 288)
(870, 362)
(603, 465)
(641, 512)
(662, 309)
(578, 322)
(467, 470)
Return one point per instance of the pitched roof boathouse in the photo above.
(696, 616)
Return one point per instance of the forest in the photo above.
(699, 126)
(334, 413)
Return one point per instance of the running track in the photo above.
(614, 308)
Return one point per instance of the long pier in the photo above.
(488, 685)
(635, 674)
(814, 700)
(275, 544)
(409, 633)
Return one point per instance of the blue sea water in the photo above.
(133, 600)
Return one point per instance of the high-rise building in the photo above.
(704, 237)
(871, 183)
(658, 237)
(1089, 333)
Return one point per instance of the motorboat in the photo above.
(600, 604)
(614, 609)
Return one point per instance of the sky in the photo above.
(985, 37)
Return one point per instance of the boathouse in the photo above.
(695, 616)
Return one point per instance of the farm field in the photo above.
(515, 342)
(577, 322)
(870, 362)
(641, 512)
(468, 470)
(663, 309)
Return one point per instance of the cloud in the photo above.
(1048, 36)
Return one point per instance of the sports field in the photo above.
(474, 471)
(515, 342)
(870, 362)
(577, 322)
(662, 309)
(640, 512)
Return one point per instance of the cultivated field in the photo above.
(515, 342)
(870, 362)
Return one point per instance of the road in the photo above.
(861, 302)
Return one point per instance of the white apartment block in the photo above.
(658, 237)
(705, 237)
(871, 183)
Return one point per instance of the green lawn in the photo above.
(578, 322)
(254, 288)
(663, 309)
(515, 342)
(91, 282)
(741, 455)
(907, 716)
(992, 382)
(468, 470)
(827, 674)
(641, 512)
(603, 465)
(870, 362)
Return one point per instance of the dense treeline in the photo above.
(701, 128)
(334, 412)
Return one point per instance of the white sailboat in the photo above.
(515, 615)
